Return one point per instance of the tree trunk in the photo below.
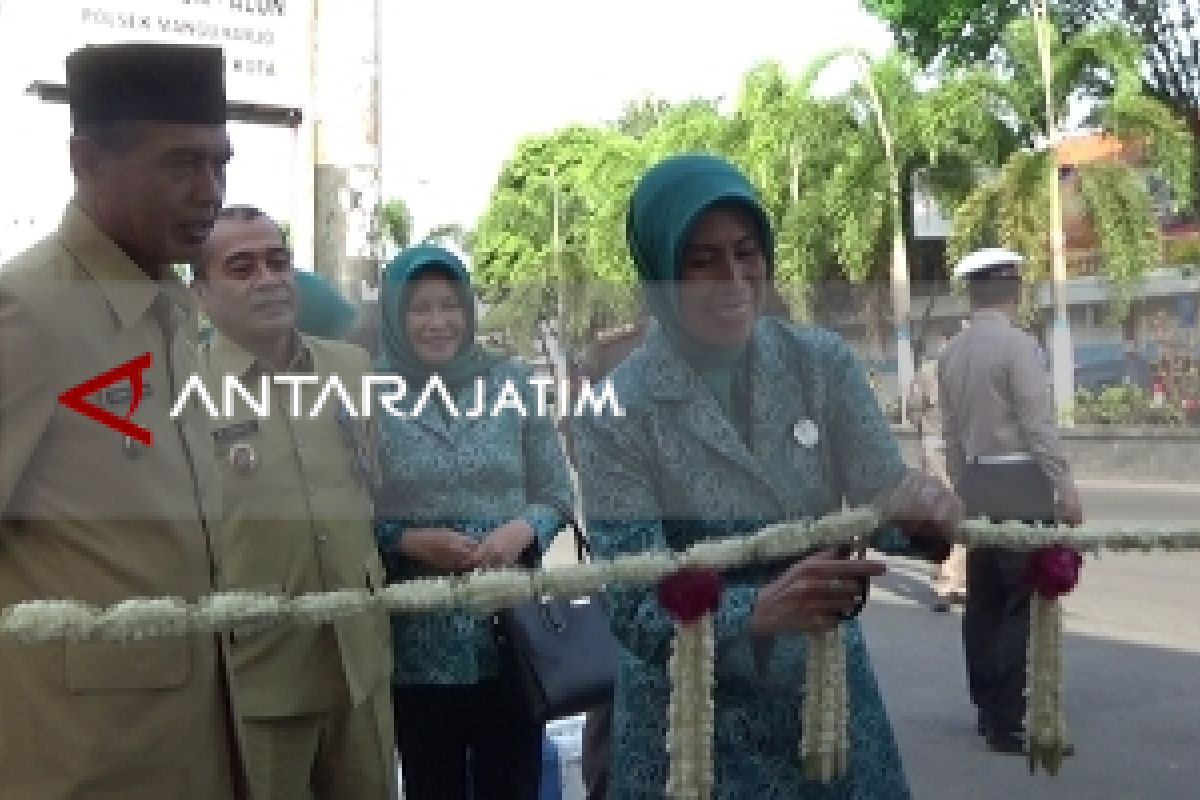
(874, 322)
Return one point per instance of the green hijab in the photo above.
(666, 204)
(396, 353)
(321, 309)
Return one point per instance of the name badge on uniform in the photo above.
(237, 430)
(805, 433)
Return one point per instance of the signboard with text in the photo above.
(266, 42)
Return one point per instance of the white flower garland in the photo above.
(824, 742)
(824, 748)
(691, 713)
(1045, 723)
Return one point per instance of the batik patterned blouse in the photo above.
(675, 470)
(473, 475)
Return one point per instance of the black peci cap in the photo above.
(147, 82)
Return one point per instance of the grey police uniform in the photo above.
(1006, 462)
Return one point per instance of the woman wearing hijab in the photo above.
(458, 493)
(734, 420)
(322, 310)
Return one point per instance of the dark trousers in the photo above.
(597, 745)
(996, 620)
(462, 743)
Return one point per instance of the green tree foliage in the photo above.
(1012, 208)
(1166, 39)
(834, 173)
(397, 223)
(519, 268)
(962, 31)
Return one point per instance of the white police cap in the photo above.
(988, 260)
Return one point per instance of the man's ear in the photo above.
(85, 157)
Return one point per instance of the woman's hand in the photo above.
(812, 595)
(440, 548)
(503, 546)
(923, 504)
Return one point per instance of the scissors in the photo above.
(856, 549)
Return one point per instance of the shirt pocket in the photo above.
(127, 666)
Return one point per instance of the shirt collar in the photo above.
(230, 358)
(129, 291)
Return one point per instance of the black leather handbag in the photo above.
(558, 655)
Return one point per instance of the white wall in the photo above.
(35, 179)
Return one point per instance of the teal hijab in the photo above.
(396, 353)
(666, 204)
(322, 310)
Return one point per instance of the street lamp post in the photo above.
(563, 358)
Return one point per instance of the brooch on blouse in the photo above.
(805, 432)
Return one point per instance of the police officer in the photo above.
(1006, 462)
(313, 701)
(87, 512)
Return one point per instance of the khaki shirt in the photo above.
(297, 500)
(86, 516)
(995, 399)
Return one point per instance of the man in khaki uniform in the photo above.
(950, 582)
(313, 701)
(85, 512)
(1006, 462)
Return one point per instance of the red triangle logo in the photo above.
(75, 398)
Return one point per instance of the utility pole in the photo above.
(346, 134)
(304, 217)
(558, 273)
(1064, 367)
(562, 357)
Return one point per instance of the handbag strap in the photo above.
(582, 544)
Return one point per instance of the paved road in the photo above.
(1133, 674)
(1138, 504)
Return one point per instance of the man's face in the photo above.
(249, 289)
(159, 197)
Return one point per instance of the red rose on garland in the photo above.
(691, 593)
(1053, 571)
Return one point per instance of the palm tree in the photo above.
(1020, 208)
(885, 126)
